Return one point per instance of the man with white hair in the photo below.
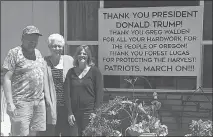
(57, 68)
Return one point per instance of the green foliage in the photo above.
(105, 122)
(200, 128)
(151, 125)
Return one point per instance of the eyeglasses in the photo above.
(57, 46)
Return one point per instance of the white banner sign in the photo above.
(153, 41)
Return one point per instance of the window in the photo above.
(82, 25)
(61, 15)
(207, 23)
(121, 4)
(207, 66)
(82, 20)
(207, 48)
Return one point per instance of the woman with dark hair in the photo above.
(83, 89)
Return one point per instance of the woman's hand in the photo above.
(11, 108)
(71, 119)
(48, 102)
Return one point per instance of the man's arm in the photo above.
(8, 90)
(8, 69)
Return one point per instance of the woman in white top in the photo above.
(57, 68)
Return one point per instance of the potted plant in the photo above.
(144, 117)
(200, 128)
(143, 121)
(152, 127)
(105, 122)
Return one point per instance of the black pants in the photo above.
(62, 126)
(82, 120)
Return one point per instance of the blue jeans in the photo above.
(30, 116)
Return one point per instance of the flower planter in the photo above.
(106, 118)
(135, 133)
(200, 128)
(148, 135)
(130, 132)
(187, 135)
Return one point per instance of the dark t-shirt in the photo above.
(84, 93)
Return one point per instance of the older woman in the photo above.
(57, 68)
(83, 89)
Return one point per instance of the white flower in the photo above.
(92, 115)
(140, 125)
(163, 134)
(118, 133)
(156, 125)
(112, 113)
(188, 135)
(129, 80)
(165, 130)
